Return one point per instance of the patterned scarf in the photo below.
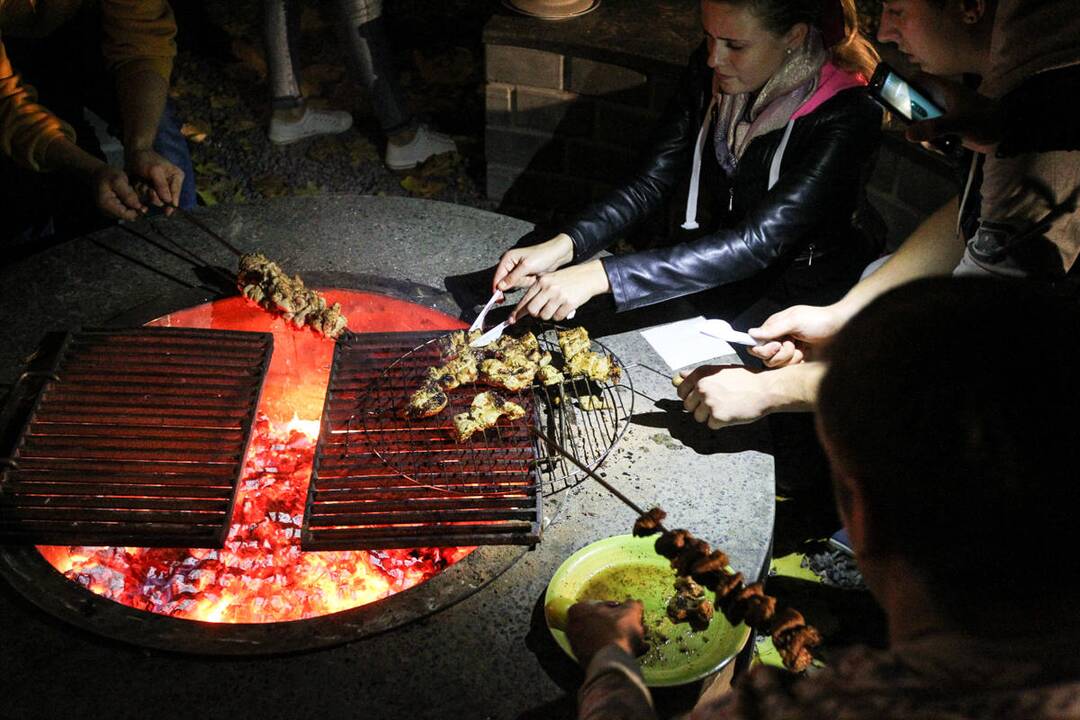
(781, 96)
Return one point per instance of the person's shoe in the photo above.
(426, 143)
(313, 122)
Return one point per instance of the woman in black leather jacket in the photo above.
(774, 97)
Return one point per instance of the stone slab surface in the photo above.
(489, 656)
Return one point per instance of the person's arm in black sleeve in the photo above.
(670, 152)
(809, 184)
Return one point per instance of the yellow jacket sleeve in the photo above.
(26, 128)
(139, 35)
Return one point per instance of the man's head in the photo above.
(948, 412)
(943, 37)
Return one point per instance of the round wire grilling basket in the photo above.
(586, 417)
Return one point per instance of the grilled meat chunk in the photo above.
(485, 411)
(648, 524)
(513, 377)
(264, 282)
(573, 341)
(601, 368)
(689, 604)
(548, 375)
(427, 401)
(591, 402)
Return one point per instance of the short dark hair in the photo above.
(944, 402)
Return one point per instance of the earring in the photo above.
(789, 51)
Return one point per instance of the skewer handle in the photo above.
(205, 228)
(607, 486)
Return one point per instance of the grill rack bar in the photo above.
(96, 462)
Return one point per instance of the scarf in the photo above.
(738, 121)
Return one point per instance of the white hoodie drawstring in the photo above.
(695, 172)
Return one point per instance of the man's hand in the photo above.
(161, 178)
(519, 267)
(723, 395)
(972, 116)
(787, 336)
(554, 296)
(114, 194)
(592, 626)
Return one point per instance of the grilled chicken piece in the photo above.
(452, 345)
(429, 400)
(486, 409)
(548, 375)
(573, 341)
(513, 377)
(601, 368)
(591, 402)
(462, 370)
(264, 282)
(689, 604)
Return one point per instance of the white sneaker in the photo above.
(314, 122)
(425, 144)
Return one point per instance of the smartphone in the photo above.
(905, 100)
(900, 97)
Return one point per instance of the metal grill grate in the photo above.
(137, 437)
(383, 481)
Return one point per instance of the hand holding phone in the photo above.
(907, 102)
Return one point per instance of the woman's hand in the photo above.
(591, 626)
(519, 267)
(161, 178)
(553, 296)
(787, 336)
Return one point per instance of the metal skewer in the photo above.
(205, 228)
(607, 486)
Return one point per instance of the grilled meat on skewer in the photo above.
(691, 556)
(264, 282)
(648, 524)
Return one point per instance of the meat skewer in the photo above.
(205, 228)
(692, 557)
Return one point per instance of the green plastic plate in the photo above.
(624, 567)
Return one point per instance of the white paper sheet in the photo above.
(682, 343)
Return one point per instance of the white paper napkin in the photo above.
(682, 343)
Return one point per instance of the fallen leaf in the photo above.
(270, 185)
(422, 187)
(210, 168)
(361, 151)
(185, 87)
(207, 196)
(250, 55)
(324, 150)
(195, 130)
(310, 189)
(219, 102)
(243, 125)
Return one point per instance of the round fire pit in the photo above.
(260, 593)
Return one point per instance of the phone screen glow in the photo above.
(907, 100)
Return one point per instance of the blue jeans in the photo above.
(172, 145)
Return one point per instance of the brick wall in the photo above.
(561, 129)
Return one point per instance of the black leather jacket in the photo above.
(807, 214)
